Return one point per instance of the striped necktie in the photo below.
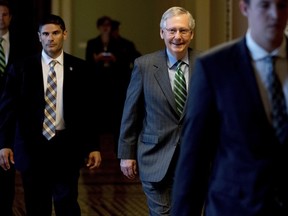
(2, 58)
(278, 104)
(49, 123)
(180, 89)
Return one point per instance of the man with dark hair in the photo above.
(234, 151)
(101, 54)
(10, 53)
(44, 113)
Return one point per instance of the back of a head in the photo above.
(175, 11)
(52, 19)
(115, 25)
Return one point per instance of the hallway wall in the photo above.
(140, 21)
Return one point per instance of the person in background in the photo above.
(127, 48)
(151, 123)
(101, 54)
(99, 50)
(127, 54)
(49, 163)
(11, 53)
(233, 155)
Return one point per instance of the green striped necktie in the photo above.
(180, 90)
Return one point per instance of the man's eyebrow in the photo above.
(53, 32)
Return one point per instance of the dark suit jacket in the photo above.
(151, 127)
(14, 55)
(22, 110)
(95, 46)
(230, 158)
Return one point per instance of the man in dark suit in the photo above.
(49, 167)
(231, 161)
(151, 124)
(11, 53)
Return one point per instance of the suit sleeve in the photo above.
(132, 116)
(8, 104)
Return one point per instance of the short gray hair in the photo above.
(175, 11)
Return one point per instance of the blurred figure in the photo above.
(11, 53)
(101, 54)
(127, 53)
(49, 154)
(151, 123)
(126, 47)
(233, 156)
(99, 50)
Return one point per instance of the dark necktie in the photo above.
(2, 58)
(180, 89)
(49, 127)
(278, 104)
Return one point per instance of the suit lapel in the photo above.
(37, 74)
(245, 68)
(162, 77)
(67, 68)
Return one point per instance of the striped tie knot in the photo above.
(52, 64)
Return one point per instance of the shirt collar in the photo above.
(258, 53)
(6, 36)
(47, 59)
(172, 60)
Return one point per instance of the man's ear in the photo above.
(243, 7)
(65, 34)
(39, 36)
(161, 33)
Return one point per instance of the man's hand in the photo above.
(6, 157)
(94, 160)
(129, 168)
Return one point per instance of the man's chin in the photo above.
(177, 49)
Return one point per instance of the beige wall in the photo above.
(140, 21)
(239, 21)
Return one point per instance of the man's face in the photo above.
(177, 35)
(105, 28)
(5, 18)
(267, 20)
(52, 38)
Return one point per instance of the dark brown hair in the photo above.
(52, 19)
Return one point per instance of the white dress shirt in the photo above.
(171, 62)
(261, 66)
(59, 68)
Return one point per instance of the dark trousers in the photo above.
(7, 191)
(42, 191)
(52, 179)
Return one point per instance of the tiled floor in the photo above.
(105, 192)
